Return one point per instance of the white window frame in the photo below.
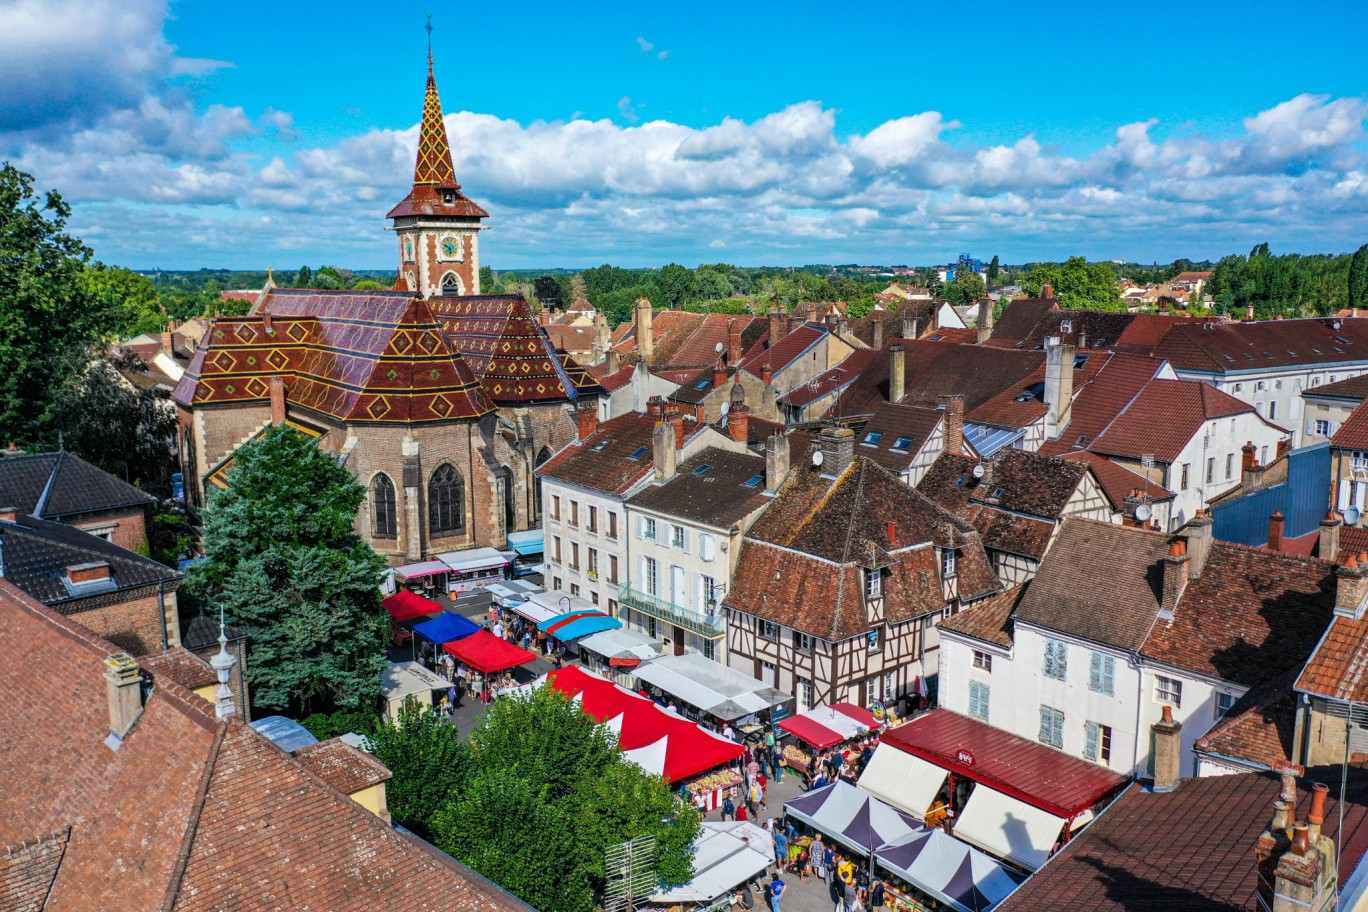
(650, 573)
(1168, 690)
(679, 538)
(983, 660)
(873, 583)
(1222, 704)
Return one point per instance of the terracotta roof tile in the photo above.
(1026, 482)
(1259, 728)
(27, 870)
(616, 458)
(931, 369)
(1117, 481)
(789, 349)
(1000, 530)
(990, 620)
(895, 434)
(342, 766)
(1164, 417)
(1099, 399)
(1353, 433)
(1221, 347)
(182, 666)
(1355, 388)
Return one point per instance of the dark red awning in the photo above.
(408, 606)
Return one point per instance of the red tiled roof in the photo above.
(1117, 481)
(1019, 320)
(833, 380)
(1353, 434)
(27, 870)
(1010, 532)
(895, 423)
(1220, 347)
(1190, 277)
(1101, 397)
(610, 468)
(1355, 388)
(931, 369)
(1164, 417)
(789, 349)
(1260, 727)
(1038, 775)
(342, 766)
(990, 620)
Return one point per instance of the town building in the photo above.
(908, 439)
(63, 487)
(841, 581)
(1329, 405)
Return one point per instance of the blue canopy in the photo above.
(533, 541)
(576, 624)
(446, 627)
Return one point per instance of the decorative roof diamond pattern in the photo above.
(434, 152)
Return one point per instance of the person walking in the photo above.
(780, 848)
(836, 890)
(728, 808)
(776, 891)
(777, 761)
(851, 896)
(817, 851)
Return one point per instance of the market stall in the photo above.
(726, 855)
(511, 593)
(527, 550)
(711, 689)
(402, 682)
(934, 863)
(430, 576)
(473, 568)
(543, 606)
(405, 606)
(824, 727)
(487, 654)
(446, 627)
(854, 818)
(575, 624)
(615, 653)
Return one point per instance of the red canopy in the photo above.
(485, 652)
(843, 721)
(406, 606)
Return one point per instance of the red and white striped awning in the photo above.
(823, 726)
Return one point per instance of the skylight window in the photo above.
(960, 482)
(1228, 358)
(1081, 361)
(639, 452)
(703, 469)
(902, 443)
(873, 437)
(1316, 351)
(703, 385)
(1343, 340)
(754, 481)
(601, 445)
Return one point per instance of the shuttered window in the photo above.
(1051, 727)
(1056, 659)
(978, 700)
(1102, 674)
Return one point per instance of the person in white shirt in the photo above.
(499, 629)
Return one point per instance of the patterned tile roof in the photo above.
(433, 171)
(62, 485)
(374, 356)
(1164, 417)
(989, 621)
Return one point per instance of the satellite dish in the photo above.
(978, 470)
(817, 461)
(1143, 512)
(719, 348)
(1351, 515)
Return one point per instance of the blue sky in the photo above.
(239, 134)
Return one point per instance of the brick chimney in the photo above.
(167, 345)
(9, 514)
(92, 572)
(1330, 536)
(1296, 861)
(985, 320)
(268, 322)
(766, 373)
(1059, 370)
(1351, 586)
(778, 323)
(719, 375)
(1276, 523)
(676, 419)
(953, 404)
(1175, 569)
(838, 449)
(897, 373)
(776, 462)
(1047, 290)
(277, 385)
(663, 451)
(1251, 473)
(655, 407)
(738, 416)
(586, 416)
(878, 340)
(645, 340)
(1284, 447)
(1199, 539)
(1168, 751)
(123, 686)
(733, 342)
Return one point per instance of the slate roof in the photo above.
(1067, 594)
(62, 485)
(801, 562)
(610, 468)
(373, 356)
(1355, 388)
(1260, 727)
(1252, 615)
(202, 631)
(895, 423)
(989, 621)
(342, 766)
(37, 552)
(1228, 347)
(1164, 417)
(191, 812)
(709, 488)
(930, 369)
(1188, 850)
(1353, 433)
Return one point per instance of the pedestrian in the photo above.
(776, 761)
(780, 847)
(876, 896)
(769, 826)
(452, 697)
(752, 770)
(761, 781)
(747, 897)
(817, 851)
(851, 896)
(756, 797)
(447, 665)
(829, 863)
(845, 870)
(836, 890)
(728, 732)
(499, 629)
(776, 891)
(741, 813)
(527, 639)
(728, 808)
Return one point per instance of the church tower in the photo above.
(438, 227)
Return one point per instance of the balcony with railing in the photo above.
(709, 626)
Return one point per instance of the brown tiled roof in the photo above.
(1019, 320)
(1190, 277)
(923, 312)
(1096, 330)
(27, 870)
(1117, 481)
(1099, 582)
(683, 340)
(896, 423)
(1013, 533)
(182, 666)
(1353, 434)
(1259, 728)
(1353, 540)
(1355, 388)
(717, 496)
(342, 766)
(1250, 616)
(833, 379)
(950, 335)
(931, 369)
(1336, 670)
(1164, 417)
(788, 350)
(1188, 850)
(1101, 397)
(1220, 347)
(989, 621)
(570, 338)
(950, 482)
(189, 812)
(1026, 482)
(610, 468)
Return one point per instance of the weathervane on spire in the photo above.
(428, 29)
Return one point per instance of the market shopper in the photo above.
(728, 808)
(777, 761)
(876, 896)
(776, 891)
(851, 895)
(837, 892)
(780, 847)
(818, 853)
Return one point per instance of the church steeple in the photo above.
(438, 225)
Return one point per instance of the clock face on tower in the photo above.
(449, 247)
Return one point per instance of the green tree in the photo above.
(48, 316)
(169, 536)
(676, 286)
(283, 559)
(1358, 278)
(304, 278)
(129, 295)
(369, 285)
(967, 287)
(548, 291)
(325, 282)
(428, 761)
(1077, 284)
(994, 267)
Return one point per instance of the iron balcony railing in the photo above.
(710, 626)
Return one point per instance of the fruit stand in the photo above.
(710, 788)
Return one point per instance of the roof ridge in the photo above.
(68, 628)
(1260, 549)
(47, 487)
(130, 556)
(192, 825)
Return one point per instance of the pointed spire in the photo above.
(223, 663)
(434, 152)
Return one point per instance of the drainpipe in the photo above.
(161, 604)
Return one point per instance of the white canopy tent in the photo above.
(710, 686)
(939, 864)
(726, 855)
(623, 643)
(1008, 828)
(472, 559)
(407, 679)
(905, 781)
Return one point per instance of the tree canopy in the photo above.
(1077, 284)
(282, 558)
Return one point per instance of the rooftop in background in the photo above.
(1164, 418)
(1352, 389)
(62, 485)
(990, 621)
(1353, 434)
(716, 487)
(616, 457)
(1219, 348)
(896, 433)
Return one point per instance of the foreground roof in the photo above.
(931, 369)
(62, 485)
(616, 457)
(989, 621)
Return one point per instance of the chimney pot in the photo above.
(1319, 791)
(893, 534)
(1301, 838)
(1276, 523)
(953, 405)
(776, 462)
(1175, 571)
(123, 686)
(897, 377)
(655, 407)
(9, 514)
(586, 415)
(719, 375)
(277, 385)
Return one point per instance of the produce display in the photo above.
(718, 779)
(795, 756)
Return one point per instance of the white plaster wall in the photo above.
(599, 540)
(1219, 439)
(1197, 712)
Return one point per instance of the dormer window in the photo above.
(873, 584)
(1066, 326)
(948, 562)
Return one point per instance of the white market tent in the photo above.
(726, 855)
(472, 559)
(543, 606)
(623, 643)
(951, 871)
(711, 686)
(907, 782)
(1007, 827)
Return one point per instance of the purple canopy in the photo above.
(852, 816)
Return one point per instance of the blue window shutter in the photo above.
(1095, 673)
(1045, 726)
(1094, 737)
(1109, 675)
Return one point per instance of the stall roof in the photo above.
(941, 865)
(408, 606)
(533, 541)
(485, 652)
(823, 726)
(472, 559)
(726, 854)
(401, 679)
(710, 686)
(1037, 775)
(447, 627)
(577, 624)
(624, 643)
(533, 610)
(853, 817)
(558, 601)
(425, 568)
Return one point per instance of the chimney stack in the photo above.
(1168, 751)
(655, 407)
(1199, 539)
(953, 404)
(1047, 290)
(676, 419)
(9, 514)
(645, 340)
(1330, 536)
(603, 338)
(277, 385)
(166, 343)
(1175, 569)
(1284, 447)
(1251, 473)
(776, 462)
(91, 572)
(878, 339)
(123, 686)
(1249, 312)
(1350, 588)
(985, 320)
(897, 376)
(778, 323)
(1276, 524)
(733, 342)
(1059, 370)
(766, 372)
(719, 375)
(838, 449)
(909, 329)
(586, 416)
(1297, 863)
(663, 451)
(612, 361)
(738, 416)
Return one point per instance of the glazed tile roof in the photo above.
(1229, 347)
(374, 356)
(989, 621)
(1252, 615)
(930, 369)
(190, 812)
(342, 766)
(1355, 388)
(893, 424)
(709, 488)
(1260, 727)
(1164, 417)
(62, 485)
(604, 462)
(1065, 595)
(432, 169)
(1353, 433)
(500, 340)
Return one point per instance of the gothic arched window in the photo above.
(382, 502)
(446, 510)
(451, 285)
